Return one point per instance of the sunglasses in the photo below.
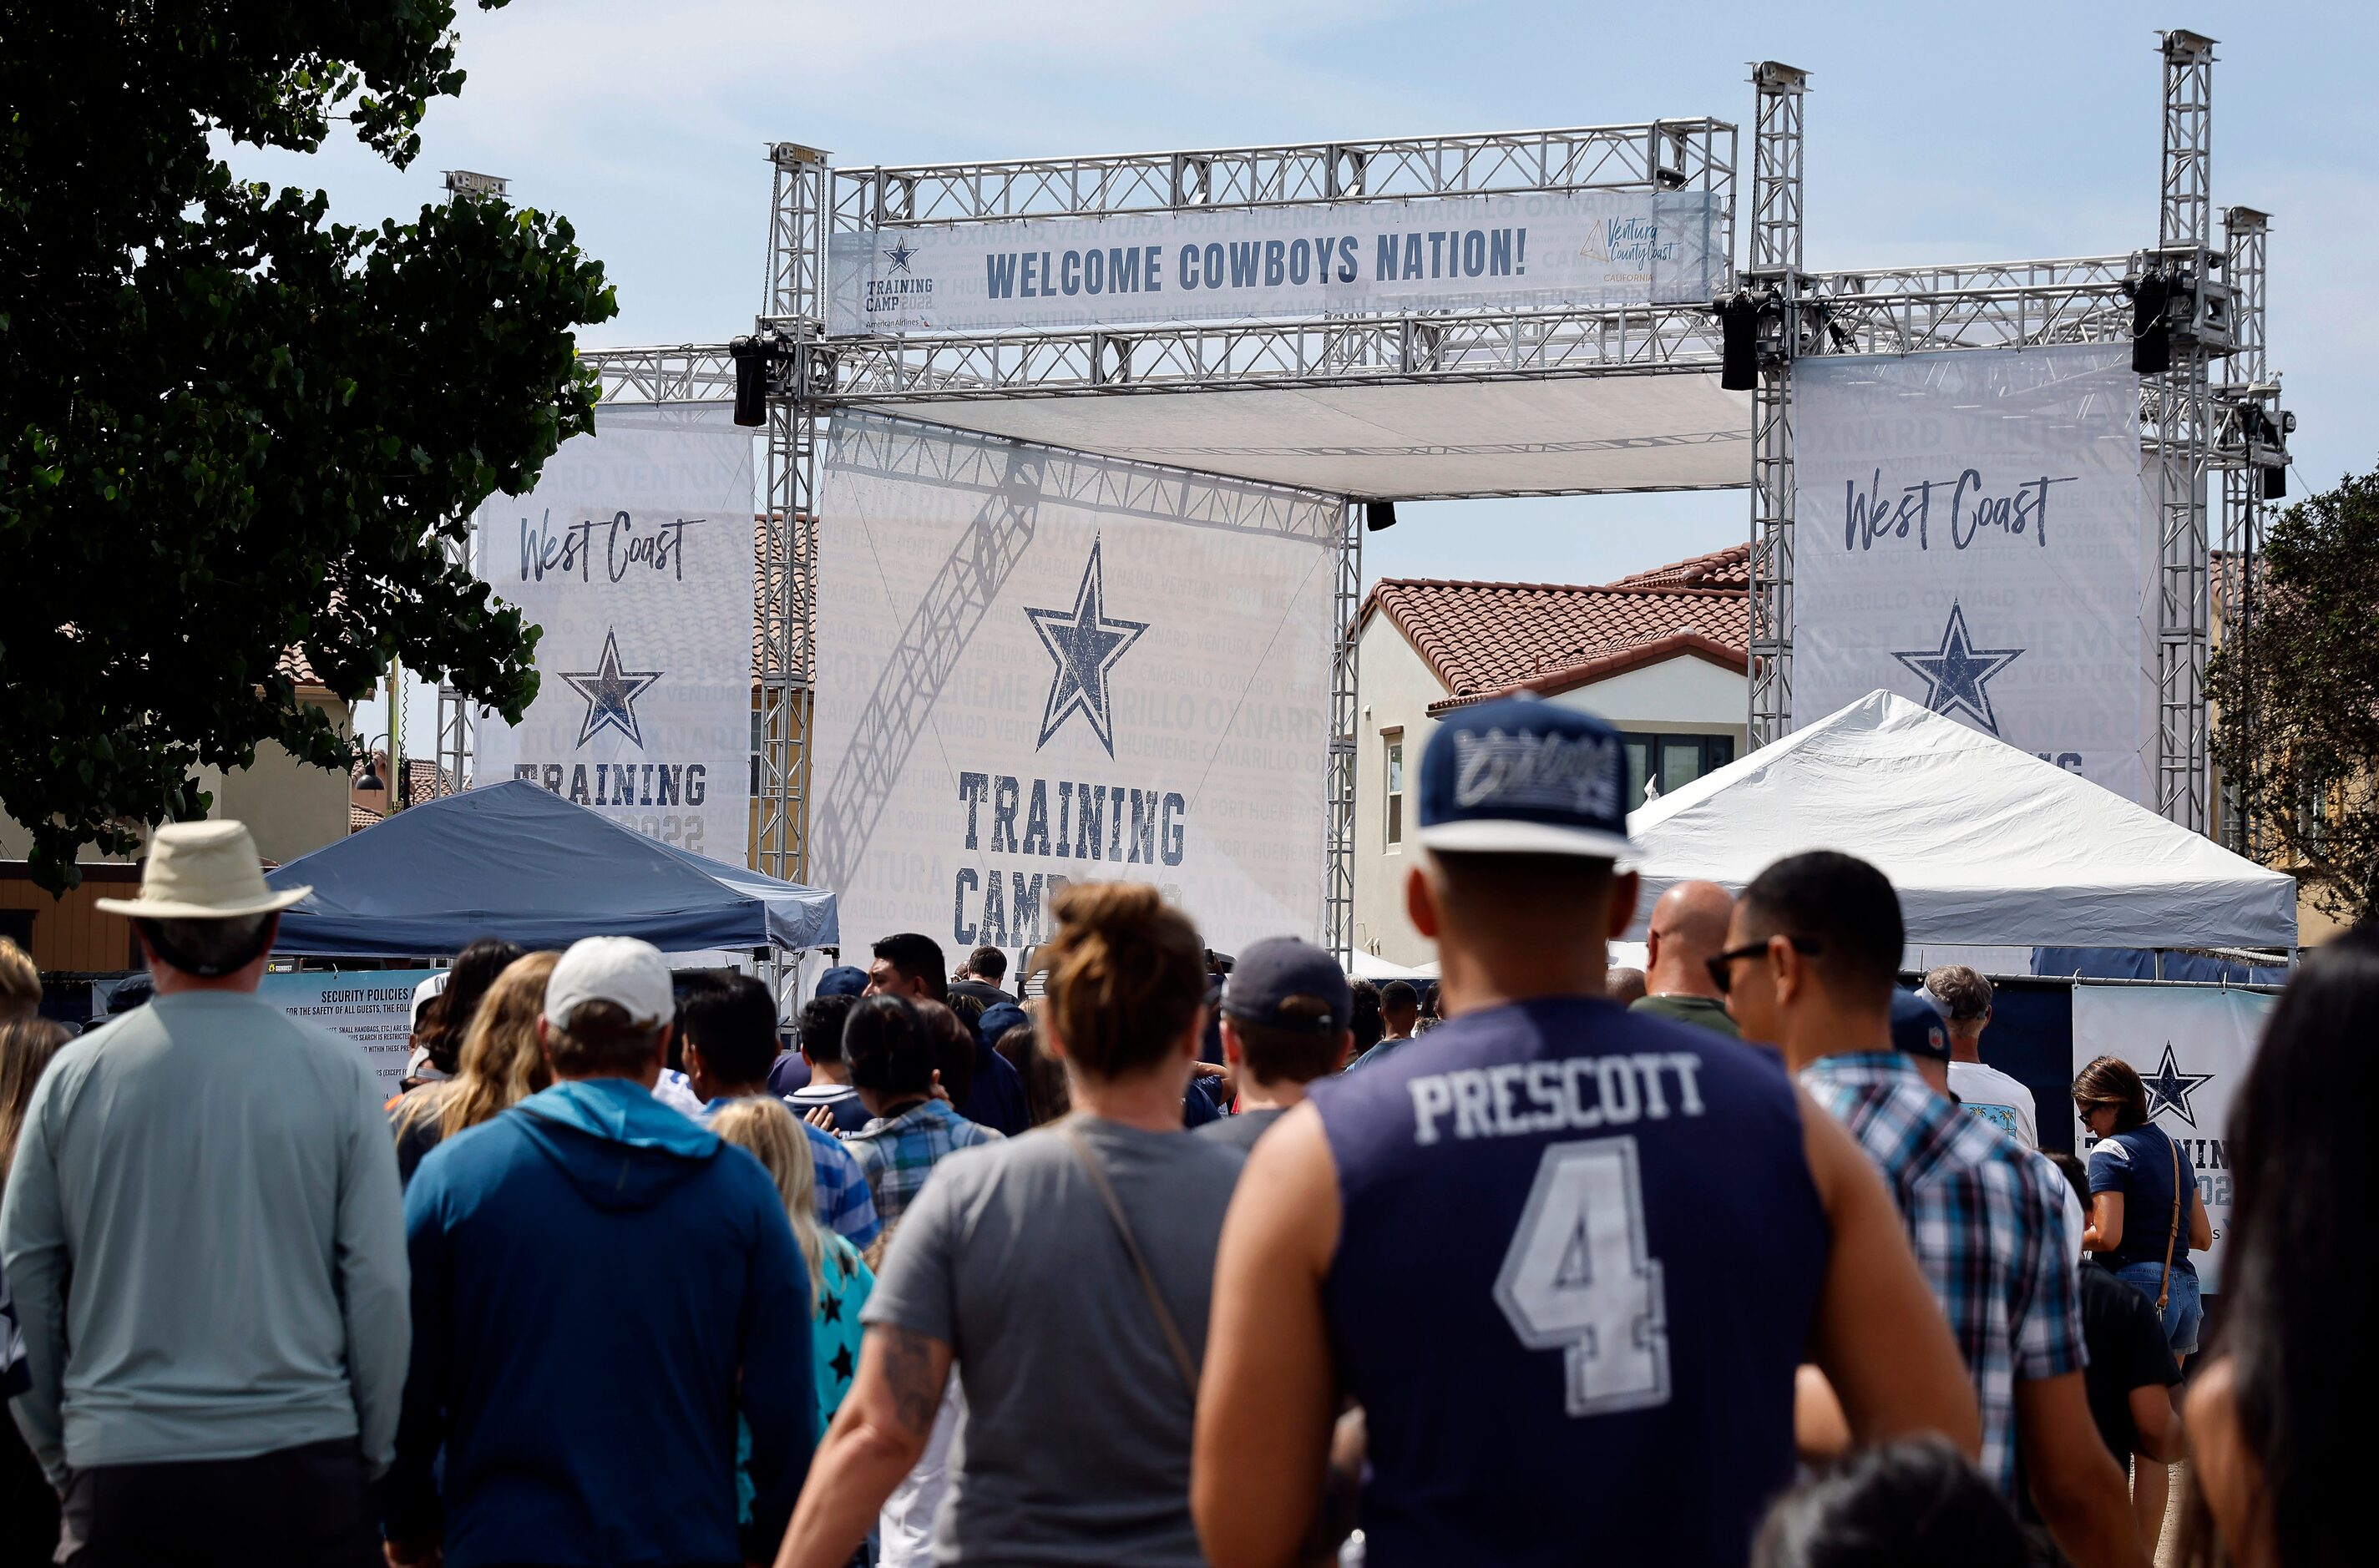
(1721, 965)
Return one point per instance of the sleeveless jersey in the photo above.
(1579, 1261)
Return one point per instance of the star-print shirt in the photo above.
(834, 1322)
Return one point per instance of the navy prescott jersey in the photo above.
(1580, 1259)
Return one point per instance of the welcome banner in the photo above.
(1538, 250)
(1037, 667)
(1970, 532)
(2192, 1046)
(634, 554)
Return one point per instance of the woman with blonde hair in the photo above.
(839, 1281)
(26, 1046)
(1064, 1275)
(499, 1065)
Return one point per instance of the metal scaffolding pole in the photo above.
(1338, 885)
(456, 719)
(1775, 153)
(2183, 406)
(2251, 452)
(795, 306)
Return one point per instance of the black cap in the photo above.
(1916, 1027)
(1271, 972)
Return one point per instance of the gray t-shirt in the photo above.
(1076, 1445)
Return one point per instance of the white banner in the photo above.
(1970, 532)
(1537, 250)
(2192, 1046)
(634, 554)
(1036, 667)
(372, 1007)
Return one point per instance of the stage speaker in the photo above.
(1378, 514)
(2276, 483)
(2151, 336)
(1738, 322)
(751, 357)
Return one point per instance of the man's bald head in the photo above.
(1687, 927)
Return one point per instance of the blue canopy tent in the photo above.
(516, 861)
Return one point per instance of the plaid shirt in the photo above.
(898, 1154)
(845, 1206)
(1987, 1226)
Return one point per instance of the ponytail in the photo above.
(1126, 975)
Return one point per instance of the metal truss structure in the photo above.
(2178, 407)
(2194, 422)
(1346, 694)
(1774, 273)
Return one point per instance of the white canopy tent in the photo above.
(1987, 844)
(1371, 967)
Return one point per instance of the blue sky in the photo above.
(1936, 133)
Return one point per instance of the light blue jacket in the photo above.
(205, 1238)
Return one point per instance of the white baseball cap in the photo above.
(630, 974)
(422, 993)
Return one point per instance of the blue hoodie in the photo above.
(593, 1277)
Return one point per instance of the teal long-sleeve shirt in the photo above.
(205, 1238)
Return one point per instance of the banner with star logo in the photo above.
(635, 554)
(2192, 1046)
(1971, 531)
(1037, 667)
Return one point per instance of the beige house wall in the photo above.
(289, 808)
(1395, 686)
(1685, 695)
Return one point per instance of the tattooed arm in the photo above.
(876, 1438)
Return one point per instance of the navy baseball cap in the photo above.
(843, 980)
(997, 1019)
(1916, 1026)
(1271, 972)
(1522, 775)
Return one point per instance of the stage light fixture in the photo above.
(1378, 514)
(1738, 319)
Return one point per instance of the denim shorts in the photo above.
(2183, 1312)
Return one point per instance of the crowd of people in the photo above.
(1747, 1256)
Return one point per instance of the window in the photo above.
(1670, 762)
(1396, 785)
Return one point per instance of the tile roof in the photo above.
(1489, 637)
(1727, 567)
(424, 781)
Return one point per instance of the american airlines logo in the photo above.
(1550, 772)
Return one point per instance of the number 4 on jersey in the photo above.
(1577, 1279)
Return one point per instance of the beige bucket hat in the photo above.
(203, 870)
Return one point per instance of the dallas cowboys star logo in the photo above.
(2169, 1088)
(1085, 644)
(1956, 670)
(610, 693)
(900, 255)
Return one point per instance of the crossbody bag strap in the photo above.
(2164, 1286)
(1174, 1341)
